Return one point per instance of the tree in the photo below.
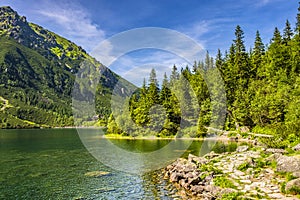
(153, 91)
(298, 21)
(258, 54)
(287, 32)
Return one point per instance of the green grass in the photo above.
(223, 182)
(231, 196)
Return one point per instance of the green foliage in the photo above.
(243, 167)
(231, 196)
(294, 190)
(223, 182)
(262, 88)
(210, 168)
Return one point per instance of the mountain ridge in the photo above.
(37, 75)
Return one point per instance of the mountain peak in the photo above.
(7, 9)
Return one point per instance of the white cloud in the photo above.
(197, 29)
(136, 66)
(71, 21)
(261, 3)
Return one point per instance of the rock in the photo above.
(296, 174)
(238, 173)
(293, 184)
(184, 184)
(197, 160)
(273, 157)
(194, 181)
(276, 196)
(244, 129)
(213, 190)
(281, 151)
(189, 168)
(176, 176)
(197, 188)
(211, 155)
(189, 175)
(288, 164)
(297, 147)
(242, 148)
(246, 181)
(96, 174)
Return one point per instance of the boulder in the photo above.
(297, 147)
(270, 150)
(293, 184)
(197, 188)
(194, 180)
(175, 176)
(296, 174)
(242, 148)
(288, 164)
(189, 168)
(197, 160)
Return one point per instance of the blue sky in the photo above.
(210, 22)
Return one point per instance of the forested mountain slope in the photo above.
(37, 73)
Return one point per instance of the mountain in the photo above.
(37, 74)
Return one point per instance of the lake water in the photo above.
(51, 164)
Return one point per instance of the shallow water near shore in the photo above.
(52, 164)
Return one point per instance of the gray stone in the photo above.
(276, 196)
(296, 174)
(197, 188)
(288, 164)
(297, 147)
(175, 176)
(194, 181)
(189, 168)
(197, 160)
(293, 184)
(242, 148)
(281, 151)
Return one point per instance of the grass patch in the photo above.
(294, 190)
(231, 196)
(210, 168)
(243, 167)
(223, 182)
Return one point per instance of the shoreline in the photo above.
(217, 138)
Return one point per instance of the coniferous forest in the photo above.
(262, 88)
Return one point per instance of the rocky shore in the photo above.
(256, 173)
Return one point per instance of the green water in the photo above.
(51, 164)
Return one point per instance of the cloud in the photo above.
(261, 3)
(71, 21)
(197, 29)
(137, 65)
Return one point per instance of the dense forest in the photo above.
(262, 88)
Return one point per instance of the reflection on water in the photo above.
(51, 164)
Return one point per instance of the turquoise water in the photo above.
(51, 164)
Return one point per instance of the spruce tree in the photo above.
(298, 21)
(257, 55)
(287, 32)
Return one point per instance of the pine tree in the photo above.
(287, 32)
(219, 62)
(258, 53)
(298, 21)
(174, 74)
(239, 40)
(153, 91)
(277, 39)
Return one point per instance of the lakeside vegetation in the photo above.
(262, 93)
